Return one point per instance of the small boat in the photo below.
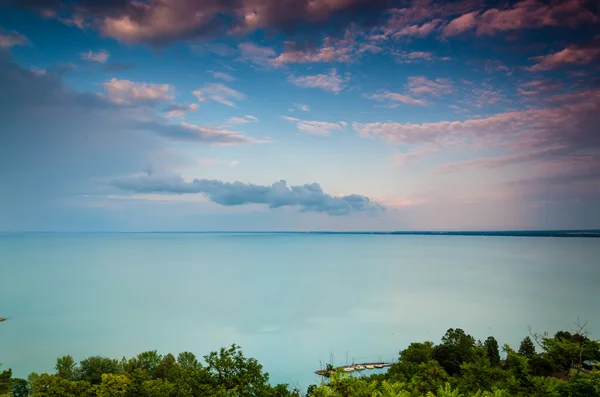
(360, 368)
(369, 366)
(348, 369)
(378, 365)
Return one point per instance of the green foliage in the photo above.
(457, 367)
(5, 384)
(66, 368)
(456, 347)
(19, 387)
(233, 371)
(527, 348)
(92, 368)
(113, 386)
(492, 352)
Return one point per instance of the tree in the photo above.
(113, 385)
(66, 368)
(54, 386)
(456, 348)
(187, 360)
(19, 387)
(167, 369)
(492, 352)
(92, 368)
(31, 378)
(527, 348)
(5, 383)
(233, 371)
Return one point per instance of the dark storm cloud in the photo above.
(309, 197)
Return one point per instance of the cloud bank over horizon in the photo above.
(308, 197)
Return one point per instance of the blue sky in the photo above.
(378, 115)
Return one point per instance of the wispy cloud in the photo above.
(242, 120)
(98, 57)
(221, 75)
(219, 93)
(395, 99)
(179, 111)
(422, 85)
(302, 107)
(10, 39)
(317, 127)
(256, 54)
(126, 91)
(328, 82)
(572, 55)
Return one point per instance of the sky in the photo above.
(297, 115)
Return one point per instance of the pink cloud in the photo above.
(529, 14)
(422, 85)
(126, 91)
(10, 39)
(394, 99)
(99, 57)
(317, 127)
(407, 158)
(219, 93)
(256, 54)
(328, 82)
(571, 124)
(345, 49)
(526, 14)
(494, 162)
(461, 24)
(572, 55)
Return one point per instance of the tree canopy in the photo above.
(459, 366)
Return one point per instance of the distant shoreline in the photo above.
(595, 233)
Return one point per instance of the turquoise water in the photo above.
(289, 300)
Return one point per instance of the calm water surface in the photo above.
(289, 300)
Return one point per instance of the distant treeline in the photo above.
(563, 365)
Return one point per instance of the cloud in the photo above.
(99, 57)
(328, 82)
(221, 75)
(571, 124)
(304, 108)
(126, 91)
(422, 85)
(345, 49)
(572, 55)
(530, 14)
(317, 127)
(309, 197)
(242, 120)
(406, 159)
(461, 24)
(219, 93)
(494, 162)
(416, 56)
(394, 99)
(538, 87)
(215, 136)
(526, 14)
(420, 18)
(178, 111)
(417, 30)
(255, 54)
(10, 39)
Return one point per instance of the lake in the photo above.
(290, 300)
